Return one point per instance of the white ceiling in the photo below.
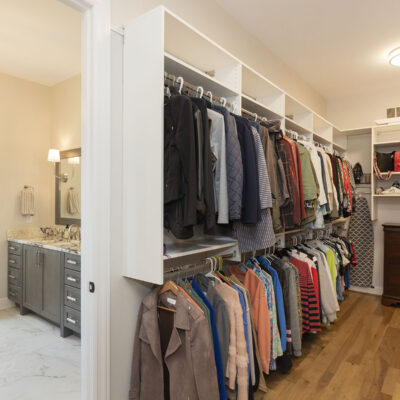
(338, 46)
(39, 40)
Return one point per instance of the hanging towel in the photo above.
(73, 202)
(27, 201)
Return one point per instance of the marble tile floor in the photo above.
(35, 362)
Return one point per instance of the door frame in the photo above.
(95, 143)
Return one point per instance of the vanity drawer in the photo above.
(14, 276)
(14, 293)
(72, 319)
(72, 278)
(14, 248)
(72, 261)
(14, 261)
(72, 297)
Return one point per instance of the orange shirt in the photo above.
(259, 312)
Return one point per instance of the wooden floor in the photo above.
(357, 358)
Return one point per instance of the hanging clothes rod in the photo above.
(186, 271)
(254, 115)
(199, 90)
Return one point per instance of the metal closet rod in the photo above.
(209, 94)
(188, 270)
(196, 89)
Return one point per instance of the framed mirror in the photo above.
(68, 189)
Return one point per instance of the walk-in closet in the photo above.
(255, 201)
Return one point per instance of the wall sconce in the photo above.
(54, 157)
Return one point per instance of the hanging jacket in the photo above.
(180, 180)
(183, 363)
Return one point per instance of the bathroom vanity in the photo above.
(44, 277)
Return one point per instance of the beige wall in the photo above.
(362, 109)
(212, 20)
(25, 136)
(66, 114)
(33, 118)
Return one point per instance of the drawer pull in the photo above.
(13, 294)
(12, 248)
(72, 321)
(71, 279)
(11, 261)
(73, 262)
(12, 276)
(70, 298)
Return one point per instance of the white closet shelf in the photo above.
(338, 147)
(290, 124)
(200, 248)
(355, 131)
(319, 138)
(386, 195)
(388, 143)
(196, 77)
(262, 110)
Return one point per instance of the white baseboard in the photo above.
(6, 303)
(378, 290)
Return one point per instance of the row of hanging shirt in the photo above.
(320, 185)
(238, 324)
(243, 177)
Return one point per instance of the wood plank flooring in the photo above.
(358, 358)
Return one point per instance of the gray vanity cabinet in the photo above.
(33, 280)
(51, 265)
(47, 282)
(42, 277)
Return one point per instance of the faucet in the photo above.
(49, 232)
(76, 234)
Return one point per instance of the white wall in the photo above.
(25, 136)
(362, 109)
(211, 19)
(66, 114)
(33, 118)
(359, 150)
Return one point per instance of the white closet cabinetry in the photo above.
(159, 42)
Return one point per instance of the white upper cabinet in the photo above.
(159, 42)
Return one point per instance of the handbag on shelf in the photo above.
(384, 162)
(396, 159)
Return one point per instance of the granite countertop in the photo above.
(36, 238)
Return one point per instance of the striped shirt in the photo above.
(311, 318)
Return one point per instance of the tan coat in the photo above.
(189, 355)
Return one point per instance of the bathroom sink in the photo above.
(74, 245)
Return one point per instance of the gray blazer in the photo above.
(189, 355)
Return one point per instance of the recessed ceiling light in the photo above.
(394, 57)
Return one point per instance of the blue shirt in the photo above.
(278, 299)
(217, 350)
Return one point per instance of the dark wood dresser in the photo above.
(391, 277)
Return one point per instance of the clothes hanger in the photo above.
(209, 94)
(180, 79)
(168, 286)
(255, 117)
(223, 101)
(201, 92)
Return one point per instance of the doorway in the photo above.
(94, 163)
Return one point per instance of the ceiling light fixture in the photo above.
(394, 57)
